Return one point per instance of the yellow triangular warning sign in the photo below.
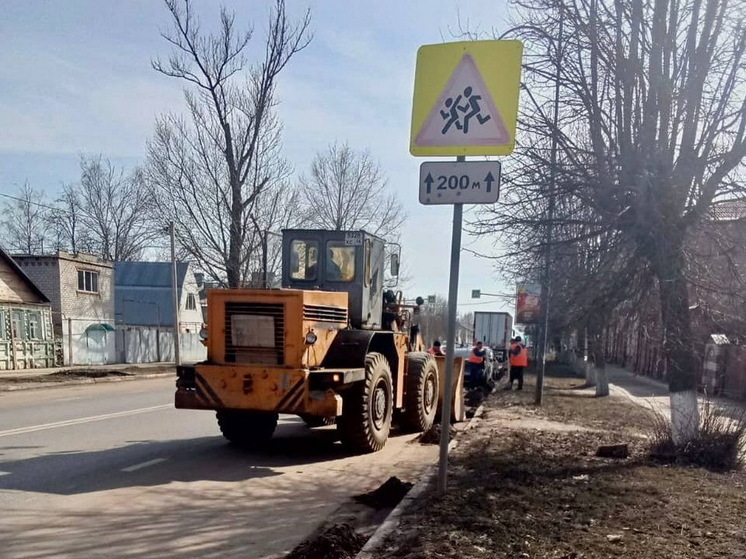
(465, 113)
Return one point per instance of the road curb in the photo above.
(391, 522)
(76, 382)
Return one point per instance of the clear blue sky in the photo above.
(76, 78)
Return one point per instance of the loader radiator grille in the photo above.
(323, 313)
(255, 333)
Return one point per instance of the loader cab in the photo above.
(348, 261)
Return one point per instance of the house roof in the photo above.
(78, 257)
(19, 271)
(142, 292)
(148, 274)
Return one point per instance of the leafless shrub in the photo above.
(718, 445)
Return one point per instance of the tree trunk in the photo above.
(233, 266)
(590, 370)
(677, 348)
(599, 362)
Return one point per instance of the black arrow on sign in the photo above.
(489, 179)
(429, 180)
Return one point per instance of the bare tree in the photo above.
(65, 222)
(208, 169)
(652, 132)
(433, 320)
(275, 209)
(110, 212)
(347, 190)
(25, 220)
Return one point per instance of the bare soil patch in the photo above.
(526, 482)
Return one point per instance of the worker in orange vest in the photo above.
(518, 362)
(436, 350)
(475, 364)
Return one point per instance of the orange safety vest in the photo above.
(520, 360)
(433, 351)
(473, 358)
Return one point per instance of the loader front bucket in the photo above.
(458, 410)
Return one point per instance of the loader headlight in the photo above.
(311, 338)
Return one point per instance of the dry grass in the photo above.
(718, 446)
(526, 484)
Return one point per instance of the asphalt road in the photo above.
(113, 470)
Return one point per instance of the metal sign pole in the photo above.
(175, 295)
(445, 420)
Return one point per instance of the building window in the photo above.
(304, 256)
(191, 303)
(340, 261)
(16, 324)
(3, 333)
(88, 281)
(34, 326)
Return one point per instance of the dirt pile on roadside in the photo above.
(387, 495)
(432, 435)
(339, 541)
(12, 380)
(84, 373)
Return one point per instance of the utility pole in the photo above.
(546, 287)
(175, 294)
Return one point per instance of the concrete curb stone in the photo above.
(375, 542)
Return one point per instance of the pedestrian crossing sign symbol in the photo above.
(466, 98)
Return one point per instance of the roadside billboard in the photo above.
(528, 303)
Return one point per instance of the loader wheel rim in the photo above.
(380, 405)
(429, 395)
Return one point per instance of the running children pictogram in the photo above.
(463, 106)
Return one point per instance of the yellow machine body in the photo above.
(285, 351)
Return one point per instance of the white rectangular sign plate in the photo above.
(459, 182)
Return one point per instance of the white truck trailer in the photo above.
(493, 329)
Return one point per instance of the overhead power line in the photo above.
(17, 199)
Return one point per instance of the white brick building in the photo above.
(81, 290)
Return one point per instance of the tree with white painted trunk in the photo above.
(653, 130)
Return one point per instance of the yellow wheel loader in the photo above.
(332, 345)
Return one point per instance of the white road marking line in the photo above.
(143, 465)
(4, 473)
(33, 428)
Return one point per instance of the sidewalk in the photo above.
(25, 379)
(651, 393)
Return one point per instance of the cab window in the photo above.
(340, 261)
(304, 257)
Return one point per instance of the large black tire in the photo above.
(246, 428)
(421, 400)
(318, 421)
(367, 408)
